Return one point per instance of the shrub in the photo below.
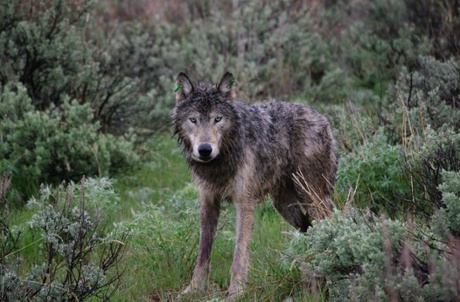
(59, 93)
(10, 237)
(364, 257)
(346, 250)
(439, 155)
(428, 16)
(41, 47)
(424, 98)
(55, 50)
(374, 171)
(352, 127)
(58, 143)
(75, 259)
(447, 219)
(270, 46)
(319, 50)
(423, 117)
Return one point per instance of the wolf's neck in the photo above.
(221, 170)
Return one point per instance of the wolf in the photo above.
(241, 153)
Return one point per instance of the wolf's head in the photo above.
(204, 115)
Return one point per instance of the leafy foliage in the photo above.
(51, 49)
(374, 171)
(425, 98)
(40, 48)
(57, 95)
(365, 257)
(74, 258)
(59, 143)
(10, 237)
(447, 220)
(74, 71)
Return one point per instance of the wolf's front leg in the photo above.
(210, 209)
(244, 227)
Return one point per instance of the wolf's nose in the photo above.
(205, 149)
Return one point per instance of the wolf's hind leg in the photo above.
(291, 207)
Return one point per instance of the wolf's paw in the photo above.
(191, 289)
(234, 291)
(188, 290)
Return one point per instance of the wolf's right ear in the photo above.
(227, 85)
(184, 87)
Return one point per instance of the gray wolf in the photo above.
(241, 153)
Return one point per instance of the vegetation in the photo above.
(72, 255)
(86, 90)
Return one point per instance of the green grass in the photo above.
(157, 181)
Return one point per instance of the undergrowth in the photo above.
(74, 259)
(86, 89)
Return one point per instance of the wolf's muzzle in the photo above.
(204, 153)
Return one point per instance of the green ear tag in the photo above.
(178, 88)
(231, 84)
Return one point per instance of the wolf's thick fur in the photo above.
(241, 153)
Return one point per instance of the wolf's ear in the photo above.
(227, 85)
(184, 87)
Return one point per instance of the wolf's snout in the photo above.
(205, 150)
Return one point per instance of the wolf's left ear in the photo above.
(227, 85)
(184, 87)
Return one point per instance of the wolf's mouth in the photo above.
(202, 159)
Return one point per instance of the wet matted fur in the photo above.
(241, 153)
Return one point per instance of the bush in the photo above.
(74, 261)
(271, 47)
(10, 237)
(375, 171)
(55, 50)
(347, 250)
(58, 143)
(59, 93)
(429, 17)
(318, 50)
(425, 98)
(441, 154)
(447, 220)
(364, 257)
(41, 47)
(422, 116)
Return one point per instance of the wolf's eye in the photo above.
(193, 120)
(218, 119)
